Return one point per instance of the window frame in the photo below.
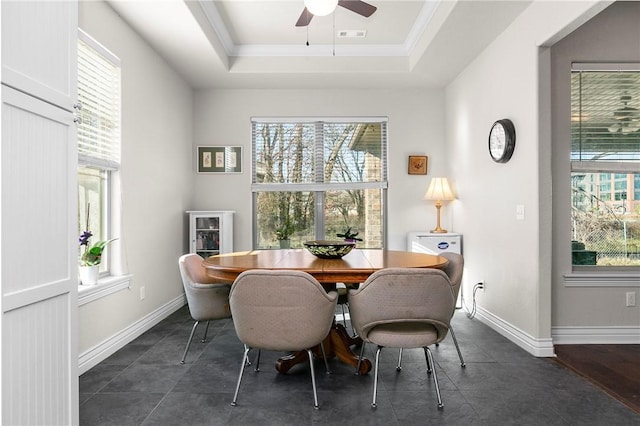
(113, 276)
(600, 275)
(320, 188)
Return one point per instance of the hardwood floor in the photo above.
(614, 368)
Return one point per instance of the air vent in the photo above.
(352, 33)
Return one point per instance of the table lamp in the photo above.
(439, 191)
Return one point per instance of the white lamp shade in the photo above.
(439, 190)
(321, 7)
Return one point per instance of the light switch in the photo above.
(520, 212)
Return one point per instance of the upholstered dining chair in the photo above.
(207, 299)
(454, 271)
(281, 310)
(403, 308)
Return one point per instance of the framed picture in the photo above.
(219, 159)
(418, 164)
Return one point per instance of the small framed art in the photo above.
(418, 164)
(219, 159)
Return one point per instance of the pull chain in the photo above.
(334, 33)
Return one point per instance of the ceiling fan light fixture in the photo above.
(624, 128)
(321, 7)
(627, 118)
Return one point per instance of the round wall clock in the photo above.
(502, 140)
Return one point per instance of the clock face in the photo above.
(502, 140)
(497, 141)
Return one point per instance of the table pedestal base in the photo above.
(338, 343)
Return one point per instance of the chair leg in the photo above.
(360, 359)
(344, 318)
(193, 330)
(324, 356)
(313, 380)
(455, 341)
(242, 364)
(353, 330)
(257, 361)
(375, 378)
(399, 366)
(206, 330)
(432, 366)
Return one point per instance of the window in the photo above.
(98, 139)
(313, 179)
(605, 166)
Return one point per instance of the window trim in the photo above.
(594, 275)
(106, 286)
(320, 188)
(604, 278)
(116, 277)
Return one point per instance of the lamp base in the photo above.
(438, 229)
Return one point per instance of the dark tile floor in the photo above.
(144, 384)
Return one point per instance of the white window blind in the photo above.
(99, 93)
(318, 155)
(605, 116)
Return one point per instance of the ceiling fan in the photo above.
(325, 7)
(627, 118)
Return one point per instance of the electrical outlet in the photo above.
(631, 298)
(142, 293)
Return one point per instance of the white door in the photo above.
(38, 188)
(39, 49)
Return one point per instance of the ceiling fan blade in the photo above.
(358, 6)
(304, 18)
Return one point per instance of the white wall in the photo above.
(509, 79)
(156, 177)
(612, 36)
(512, 256)
(416, 126)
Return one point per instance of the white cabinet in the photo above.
(210, 232)
(432, 243)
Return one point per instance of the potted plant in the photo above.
(283, 233)
(349, 236)
(89, 262)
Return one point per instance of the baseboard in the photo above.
(627, 335)
(105, 349)
(536, 347)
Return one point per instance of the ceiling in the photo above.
(255, 43)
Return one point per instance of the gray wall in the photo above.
(416, 126)
(163, 122)
(612, 36)
(509, 80)
(156, 175)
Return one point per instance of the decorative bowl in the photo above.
(325, 249)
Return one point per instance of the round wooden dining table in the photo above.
(354, 268)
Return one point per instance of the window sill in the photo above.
(106, 286)
(601, 280)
